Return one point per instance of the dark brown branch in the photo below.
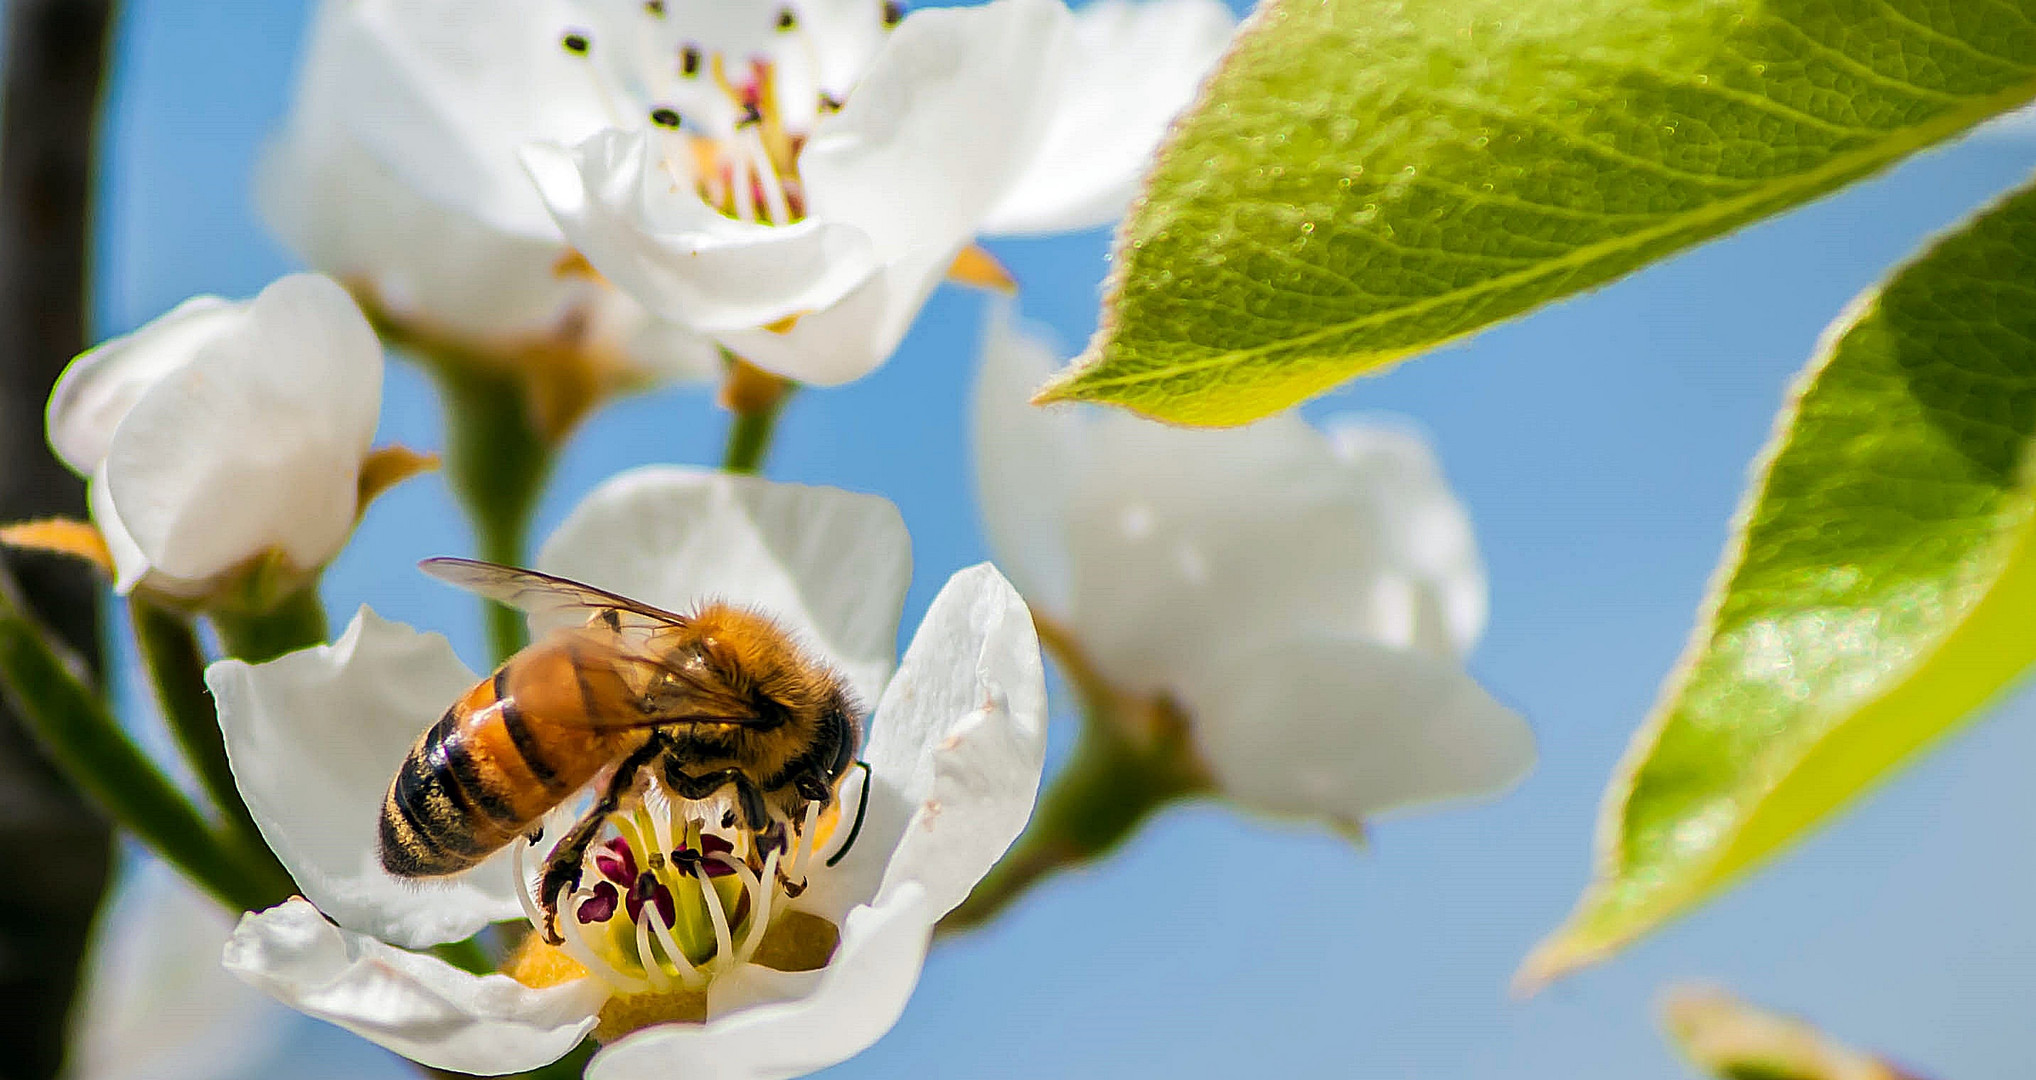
(53, 851)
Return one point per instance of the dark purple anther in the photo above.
(599, 907)
(616, 862)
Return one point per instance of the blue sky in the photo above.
(1601, 446)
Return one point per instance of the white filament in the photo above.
(804, 851)
(745, 194)
(774, 192)
(760, 911)
(525, 894)
(682, 963)
(724, 942)
(659, 979)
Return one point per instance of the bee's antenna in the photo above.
(862, 807)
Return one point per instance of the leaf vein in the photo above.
(1934, 34)
(1832, 169)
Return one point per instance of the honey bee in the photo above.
(721, 698)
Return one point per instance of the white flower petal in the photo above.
(1349, 729)
(679, 257)
(130, 566)
(408, 233)
(845, 35)
(98, 388)
(1134, 65)
(1028, 459)
(661, 348)
(858, 997)
(315, 737)
(444, 93)
(832, 566)
(347, 214)
(155, 1003)
(1427, 528)
(849, 339)
(417, 1005)
(948, 113)
(1189, 545)
(256, 441)
(955, 752)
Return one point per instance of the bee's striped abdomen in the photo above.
(512, 748)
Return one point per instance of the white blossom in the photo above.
(955, 744)
(1305, 596)
(223, 432)
(794, 181)
(396, 173)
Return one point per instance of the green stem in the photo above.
(496, 462)
(749, 436)
(176, 668)
(1133, 757)
(295, 622)
(87, 743)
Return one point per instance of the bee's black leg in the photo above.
(562, 867)
(756, 815)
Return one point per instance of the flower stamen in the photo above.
(660, 979)
(760, 919)
(802, 853)
(572, 938)
(724, 940)
(525, 887)
(681, 963)
(666, 905)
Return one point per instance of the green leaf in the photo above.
(1366, 179)
(1881, 586)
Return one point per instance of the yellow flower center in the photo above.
(669, 899)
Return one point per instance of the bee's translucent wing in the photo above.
(551, 599)
(623, 684)
(609, 633)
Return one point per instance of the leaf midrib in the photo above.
(1895, 147)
